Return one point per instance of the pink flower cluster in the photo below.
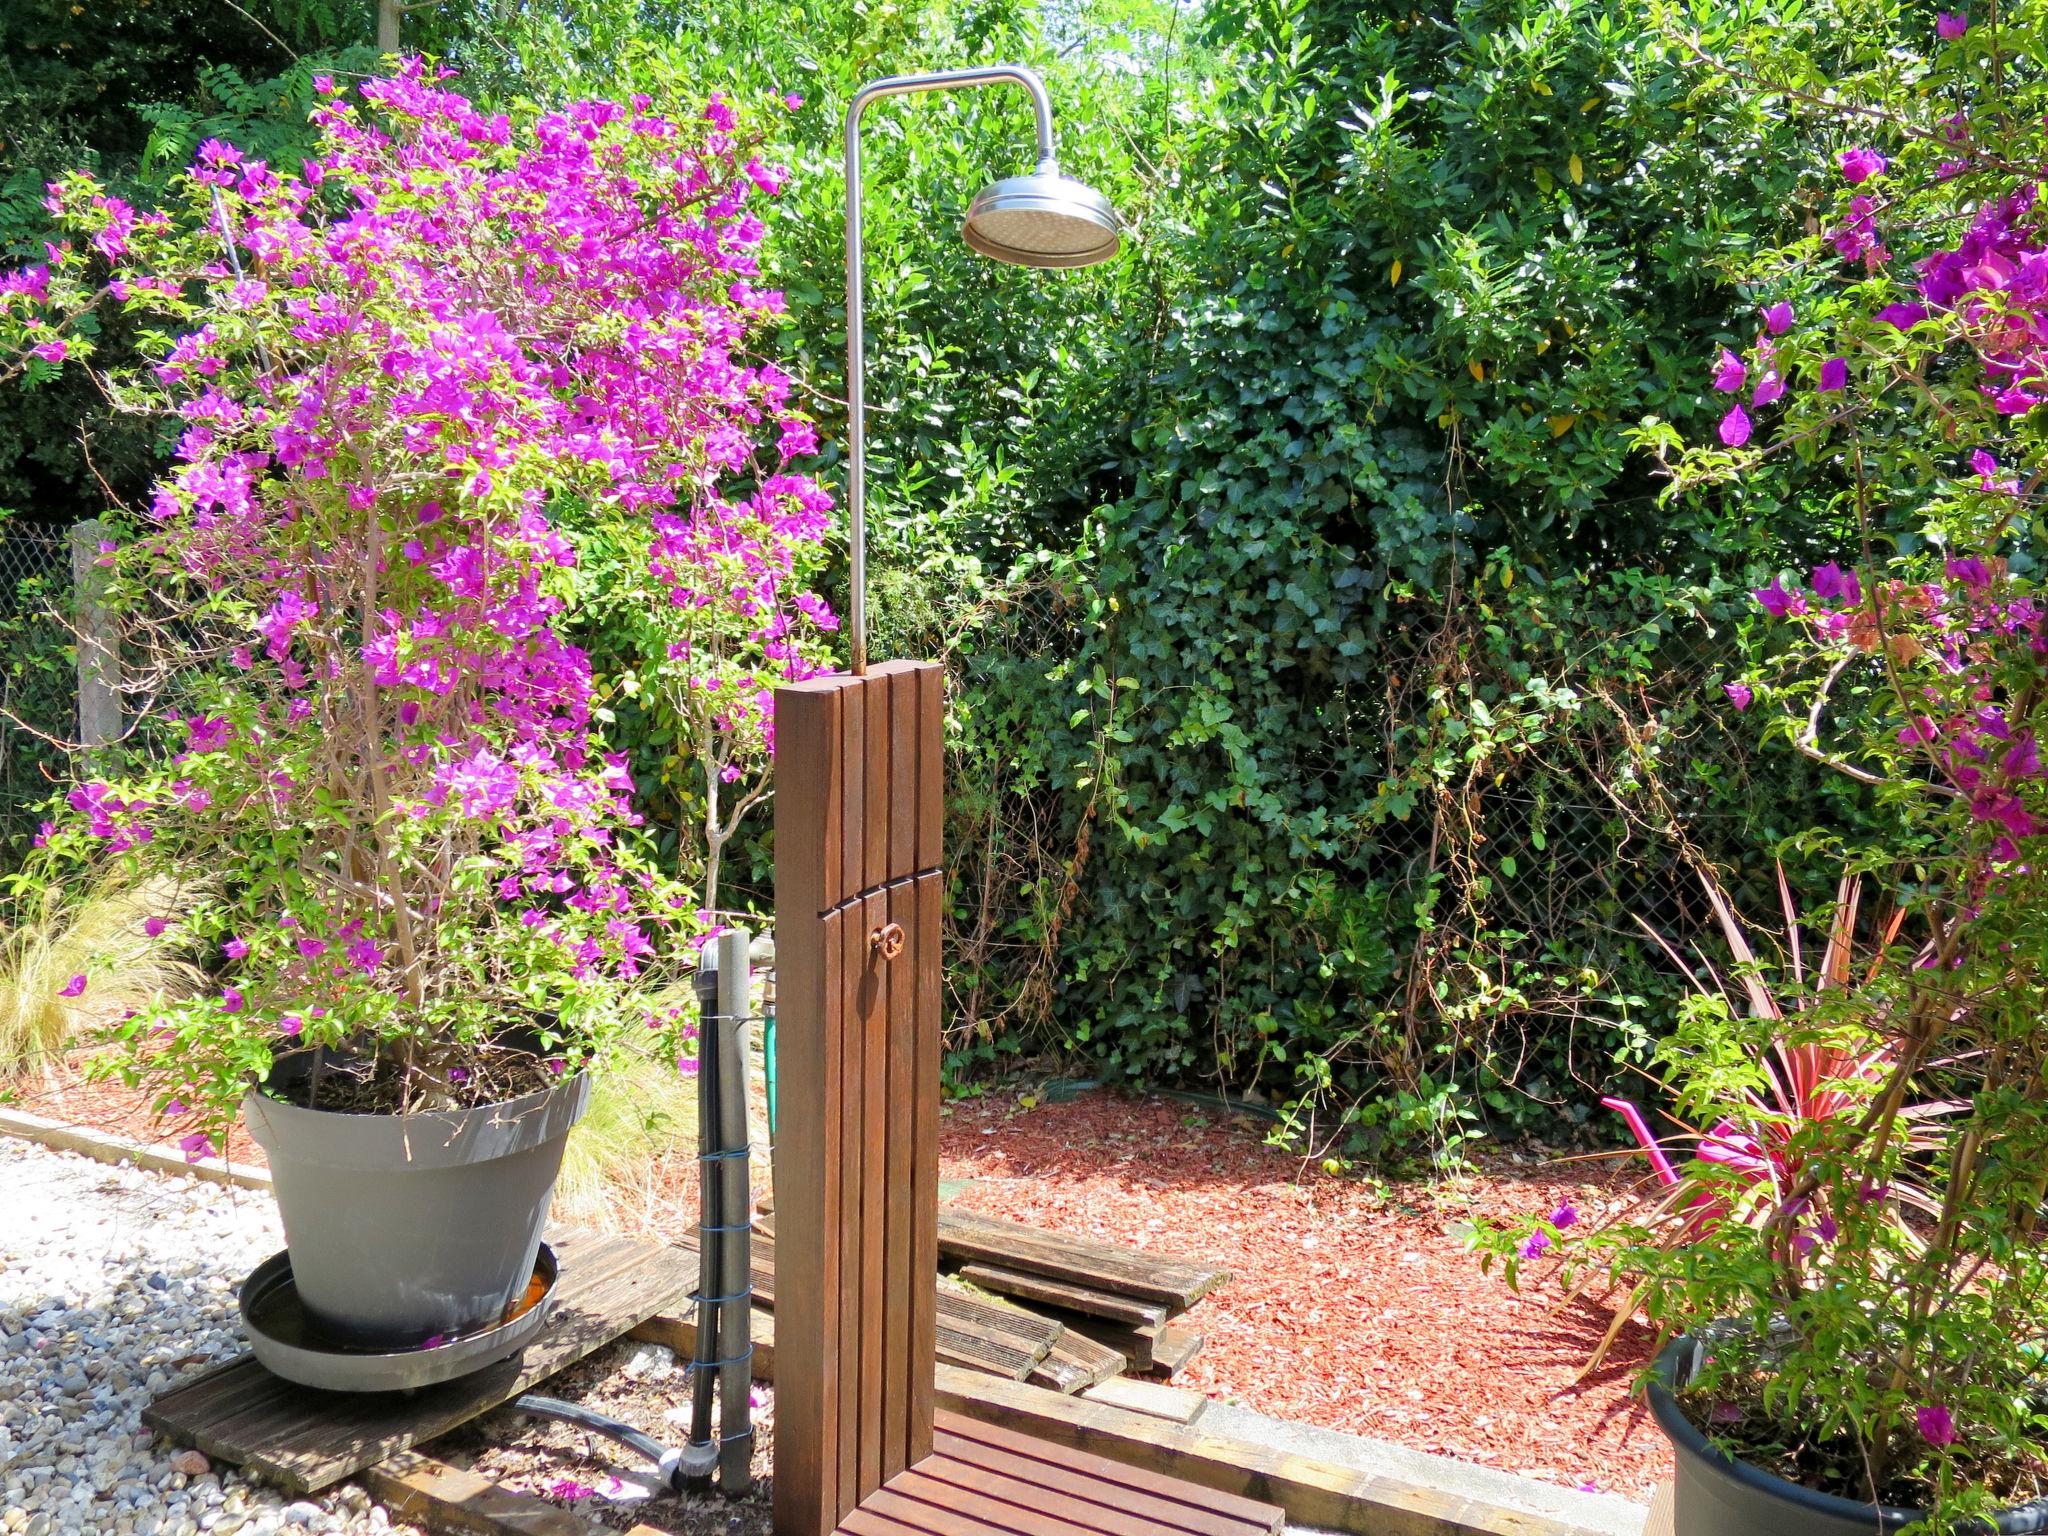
(403, 360)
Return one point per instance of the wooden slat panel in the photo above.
(1101, 1483)
(1247, 1511)
(1173, 1283)
(305, 1440)
(931, 764)
(924, 1211)
(944, 1484)
(913, 1514)
(853, 950)
(853, 795)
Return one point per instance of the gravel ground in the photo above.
(113, 1284)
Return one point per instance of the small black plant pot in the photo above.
(1720, 1496)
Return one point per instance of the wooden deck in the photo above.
(983, 1481)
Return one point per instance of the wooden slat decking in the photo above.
(305, 1440)
(981, 1480)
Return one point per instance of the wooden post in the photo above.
(857, 893)
(99, 646)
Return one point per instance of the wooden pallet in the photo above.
(973, 1331)
(305, 1440)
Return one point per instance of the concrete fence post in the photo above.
(99, 642)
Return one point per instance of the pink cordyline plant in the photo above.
(386, 372)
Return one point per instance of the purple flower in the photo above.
(458, 1075)
(2023, 758)
(1970, 571)
(176, 1107)
(1729, 373)
(792, 101)
(1834, 374)
(1859, 165)
(1535, 1245)
(196, 1146)
(1902, 317)
(235, 949)
(1936, 1427)
(1837, 585)
(1739, 695)
(232, 1001)
(365, 955)
(74, 987)
(312, 947)
(1950, 25)
(1768, 388)
(1564, 1216)
(435, 1341)
(1735, 427)
(290, 1024)
(1778, 318)
(568, 1488)
(50, 351)
(1777, 602)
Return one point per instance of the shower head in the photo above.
(1043, 220)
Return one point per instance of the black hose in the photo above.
(674, 1464)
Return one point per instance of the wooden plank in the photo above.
(873, 1022)
(305, 1440)
(988, 1314)
(906, 1512)
(1154, 1398)
(1062, 1294)
(940, 1484)
(1173, 1348)
(898, 1257)
(1663, 1511)
(852, 1096)
(1133, 1346)
(1173, 1283)
(809, 829)
(1090, 1489)
(875, 830)
(1077, 1361)
(926, 1049)
(678, 1331)
(444, 1498)
(931, 765)
(904, 810)
(1310, 1492)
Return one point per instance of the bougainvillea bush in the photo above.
(1886, 1281)
(384, 375)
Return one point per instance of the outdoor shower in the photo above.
(1045, 219)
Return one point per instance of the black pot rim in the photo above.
(1686, 1438)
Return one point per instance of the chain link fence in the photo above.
(38, 673)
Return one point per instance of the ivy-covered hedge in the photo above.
(1332, 692)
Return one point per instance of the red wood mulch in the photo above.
(1351, 1306)
(1348, 1307)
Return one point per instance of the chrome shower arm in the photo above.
(856, 366)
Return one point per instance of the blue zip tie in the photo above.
(743, 1227)
(712, 1157)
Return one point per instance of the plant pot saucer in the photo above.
(287, 1345)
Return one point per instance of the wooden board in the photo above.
(1064, 1295)
(1076, 1362)
(305, 1440)
(1663, 1511)
(1173, 1348)
(444, 1498)
(1172, 1283)
(1153, 1398)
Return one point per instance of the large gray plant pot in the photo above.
(403, 1227)
(1716, 1495)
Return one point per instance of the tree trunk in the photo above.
(388, 15)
